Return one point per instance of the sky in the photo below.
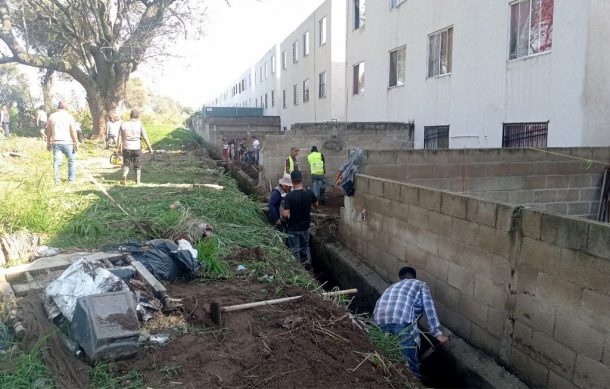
(235, 38)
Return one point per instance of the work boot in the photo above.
(124, 177)
(138, 176)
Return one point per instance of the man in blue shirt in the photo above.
(275, 202)
(398, 309)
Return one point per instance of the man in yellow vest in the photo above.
(292, 164)
(318, 170)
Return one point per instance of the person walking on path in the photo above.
(130, 135)
(225, 149)
(62, 139)
(317, 166)
(291, 162)
(256, 146)
(297, 209)
(398, 310)
(113, 126)
(275, 202)
(41, 122)
(5, 118)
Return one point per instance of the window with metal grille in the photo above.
(295, 52)
(436, 137)
(284, 98)
(284, 65)
(272, 98)
(322, 85)
(295, 94)
(525, 134)
(305, 91)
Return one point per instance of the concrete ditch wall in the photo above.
(563, 180)
(333, 139)
(214, 129)
(530, 288)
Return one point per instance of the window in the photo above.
(525, 134)
(295, 94)
(284, 98)
(436, 137)
(273, 64)
(358, 81)
(440, 52)
(359, 13)
(323, 31)
(266, 71)
(531, 27)
(272, 98)
(306, 44)
(396, 3)
(305, 91)
(295, 52)
(284, 64)
(322, 85)
(260, 70)
(397, 66)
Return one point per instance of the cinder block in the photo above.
(428, 241)
(564, 231)
(590, 373)
(439, 223)
(409, 194)
(535, 313)
(493, 241)
(362, 184)
(557, 182)
(534, 372)
(490, 294)
(482, 184)
(558, 292)
(495, 322)
(474, 309)
(589, 194)
(586, 270)
(484, 340)
(465, 232)
(449, 249)
(502, 196)
(501, 271)
(531, 223)
(598, 240)
(523, 337)
(580, 181)
(527, 279)
(437, 267)
(481, 212)
(376, 187)
(400, 211)
(397, 248)
(391, 190)
(453, 320)
(387, 262)
(579, 209)
(606, 359)
(419, 217)
(542, 255)
(380, 157)
(567, 195)
(545, 196)
(578, 335)
(559, 208)
(505, 217)
(510, 183)
(557, 381)
(447, 295)
(430, 199)
(415, 256)
(453, 205)
(521, 197)
(461, 279)
(594, 310)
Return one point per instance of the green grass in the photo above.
(103, 378)
(24, 370)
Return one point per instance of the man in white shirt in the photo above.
(130, 136)
(113, 125)
(62, 139)
(41, 122)
(256, 145)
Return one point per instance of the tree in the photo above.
(15, 86)
(137, 94)
(99, 43)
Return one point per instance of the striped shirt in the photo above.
(404, 302)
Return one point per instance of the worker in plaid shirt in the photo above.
(398, 309)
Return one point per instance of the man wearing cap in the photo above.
(291, 162)
(275, 202)
(317, 167)
(130, 134)
(297, 209)
(62, 139)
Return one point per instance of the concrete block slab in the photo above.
(564, 231)
(474, 309)
(481, 184)
(484, 340)
(598, 239)
(594, 310)
(558, 208)
(557, 182)
(401, 211)
(501, 271)
(521, 197)
(590, 373)
(523, 337)
(576, 334)
(489, 293)
(409, 195)
(376, 187)
(589, 194)
(585, 270)
(531, 223)
(391, 190)
(557, 381)
(496, 321)
(567, 195)
(362, 184)
(541, 255)
(558, 292)
(461, 279)
(427, 241)
(447, 294)
(504, 217)
(430, 199)
(415, 256)
(545, 196)
(481, 212)
(450, 249)
(465, 232)
(534, 372)
(534, 313)
(456, 322)
(439, 223)
(453, 205)
(419, 217)
(527, 279)
(494, 241)
(437, 267)
(580, 181)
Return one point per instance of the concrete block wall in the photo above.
(333, 139)
(564, 180)
(213, 130)
(529, 287)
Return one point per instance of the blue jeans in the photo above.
(408, 344)
(257, 154)
(68, 151)
(318, 186)
(298, 243)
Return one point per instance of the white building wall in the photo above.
(329, 58)
(268, 83)
(485, 89)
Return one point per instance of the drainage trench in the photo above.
(458, 366)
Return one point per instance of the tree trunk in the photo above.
(104, 100)
(98, 116)
(47, 85)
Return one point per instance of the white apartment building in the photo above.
(312, 68)
(482, 73)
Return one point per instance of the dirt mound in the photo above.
(309, 343)
(67, 371)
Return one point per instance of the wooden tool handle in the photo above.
(282, 300)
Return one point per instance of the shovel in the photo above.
(216, 310)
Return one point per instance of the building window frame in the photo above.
(284, 60)
(437, 65)
(396, 3)
(273, 98)
(436, 137)
(322, 24)
(322, 85)
(284, 98)
(295, 94)
(526, 134)
(295, 51)
(358, 78)
(359, 14)
(397, 73)
(306, 48)
(539, 39)
(305, 91)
